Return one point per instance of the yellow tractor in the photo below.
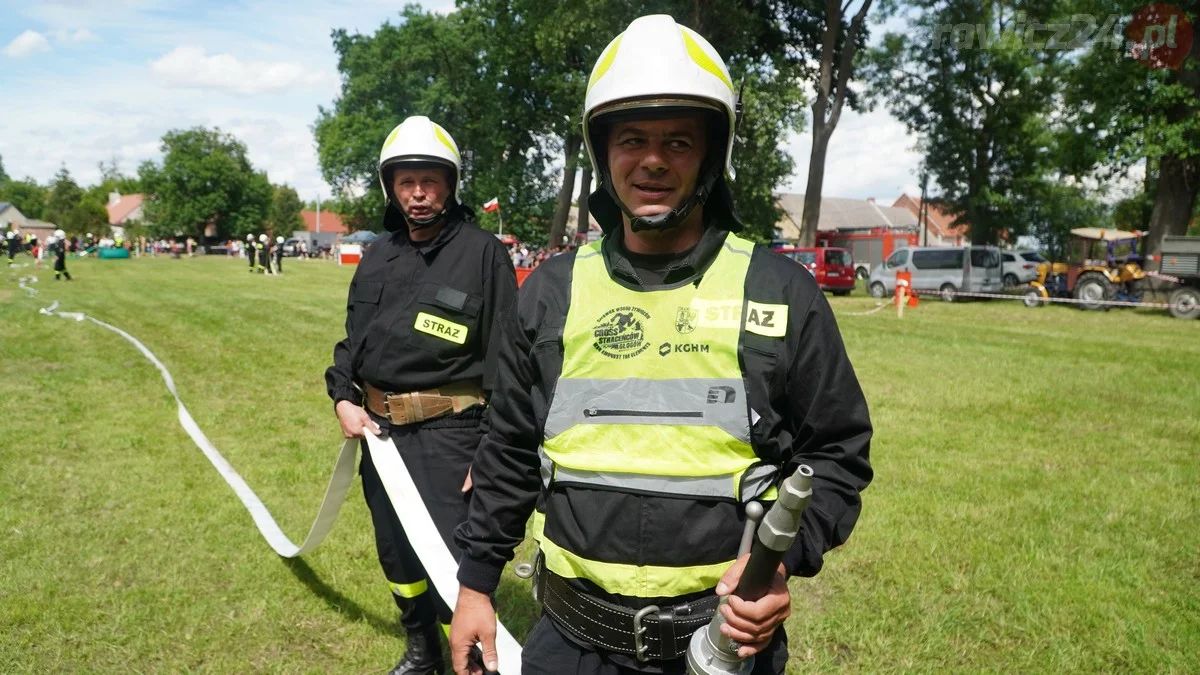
(1102, 265)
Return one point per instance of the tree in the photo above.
(1059, 208)
(507, 79)
(285, 211)
(205, 180)
(65, 195)
(839, 44)
(964, 79)
(26, 195)
(112, 180)
(1120, 113)
(3, 175)
(432, 65)
(88, 215)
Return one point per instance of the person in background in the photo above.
(416, 365)
(58, 246)
(277, 250)
(262, 248)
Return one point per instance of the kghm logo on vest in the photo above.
(682, 348)
(685, 320)
(620, 333)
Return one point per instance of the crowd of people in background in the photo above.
(524, 255)
(14, 242)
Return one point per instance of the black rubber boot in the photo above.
(423, 656)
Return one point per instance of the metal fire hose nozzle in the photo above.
(712, 653)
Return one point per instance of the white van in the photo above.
(945, 269)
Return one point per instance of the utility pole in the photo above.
(923, 211)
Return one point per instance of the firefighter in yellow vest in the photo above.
(650, 385)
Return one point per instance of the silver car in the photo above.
(1020, 267)
(948, 270)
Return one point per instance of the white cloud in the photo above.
(192, 67)
(870, 155)
(29, 42)
(73, 37)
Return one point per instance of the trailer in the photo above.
(1181, 259)
(868, 247)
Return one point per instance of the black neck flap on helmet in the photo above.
(712, 189)
(418, 162)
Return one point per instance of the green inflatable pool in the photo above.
(113, 253)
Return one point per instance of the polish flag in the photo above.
(493, 205)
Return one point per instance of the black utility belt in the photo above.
(650, 634)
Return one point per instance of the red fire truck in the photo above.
(868, 247)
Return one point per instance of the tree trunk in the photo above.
(1174, 200)
(585, 189)
(571, 160)
(830, 97)
(812, 192)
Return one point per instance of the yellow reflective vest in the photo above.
(647, 454)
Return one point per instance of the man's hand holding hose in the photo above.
(353, 418)
(753, 624)
(474, 623)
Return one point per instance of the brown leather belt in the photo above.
(418, 406)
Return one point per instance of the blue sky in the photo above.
(86, 81)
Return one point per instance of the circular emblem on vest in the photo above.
(620, 332)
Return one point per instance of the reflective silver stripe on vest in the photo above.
(707, 487)
(737, 251)
(718, 402)
(757, 480)
(546, 466)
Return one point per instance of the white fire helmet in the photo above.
(420, 141)
(60, 234)
(250, 237)
(658, 68)
(278, 240)
(262, 238)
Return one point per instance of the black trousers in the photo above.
(548, 651)
(438, 454)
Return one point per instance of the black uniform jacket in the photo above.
(812, 408)
(456, 286)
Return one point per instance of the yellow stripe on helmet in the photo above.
(392, 136)
(702, 58)
(605, 62)
(441, 136)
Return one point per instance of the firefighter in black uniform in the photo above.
(249, 249)
(277, 253)
(649, 386)
(58, 246)
(416, 364)
(264, 253)
(14, 244)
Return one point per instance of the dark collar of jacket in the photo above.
(397, 226)
(683, 270)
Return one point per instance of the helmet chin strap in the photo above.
(422, 223)
(667, 219)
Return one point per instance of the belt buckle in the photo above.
(639, 647)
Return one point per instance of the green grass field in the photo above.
(1035, 508)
